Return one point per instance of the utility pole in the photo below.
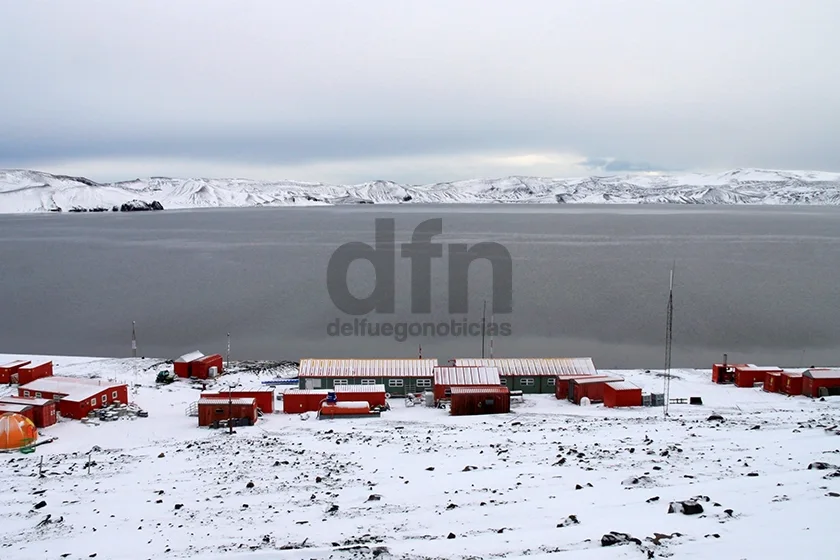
(230, 409)
(227, 357)
(133, 339)
(492, 325)
(483, 329)
(668, 335)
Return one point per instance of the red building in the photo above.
(7, 370)
(264, 397)
(22, 409)
(207, 367)
(181, 366)
(374, 395)
(561, 386)
(724, 373)
(30, 372)
(44, 410)
(815, 379)
(447, 377)
(212, 410)
(484, 399)
(621, 394)
(296, 401)
(591, 388)
(750, 375)
(76, 396)
(791, 383)
(773, 382)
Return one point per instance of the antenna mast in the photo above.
(133, 340)
(668, 335)
(483, 327)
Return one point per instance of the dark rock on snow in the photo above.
(687, 507)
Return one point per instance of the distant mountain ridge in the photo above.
(24, 191)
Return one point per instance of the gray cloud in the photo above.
(683, 84)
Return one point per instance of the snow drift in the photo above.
(36, 191)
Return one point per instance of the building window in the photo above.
(504, 381)
(526, 381)
(93, 401)
(220, 411)
(26, 393)
(114, 395)
(424, 382)
(337, 382)
(368, 381)
(37, 395)
(550, 381)
(104, 399)
(395, 383)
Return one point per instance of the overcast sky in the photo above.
(417, 91)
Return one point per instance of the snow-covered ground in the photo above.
(36, 191)
(417, 483)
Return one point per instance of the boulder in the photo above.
(687, 507)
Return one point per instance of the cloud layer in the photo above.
(417, 92)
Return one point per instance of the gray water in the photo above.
(760, 283)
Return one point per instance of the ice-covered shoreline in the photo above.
(26, 191)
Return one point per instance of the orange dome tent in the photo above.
(16, 432)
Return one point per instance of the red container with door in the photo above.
(200, 368)
(264, 397)
(561, 384)
(790, 383)
(773, 382)
(296, 401)
(591, 388)
(749, 376)
(31, 372)
(814, 379)
(7, 370)
(43, 410)
(622, 394)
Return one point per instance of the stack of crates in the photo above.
(653, 399)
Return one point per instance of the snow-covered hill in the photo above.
(36, 191)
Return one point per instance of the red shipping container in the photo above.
(814, 379)
(7, 370)
(561, 384)
(750, 375)
(296, 401)
(481, 399)
(44, 410)
(200, 368)
(621, 394)
(773, 382)
(211, 410)
(31, 372)
(374, 395)
(724, 373)
(790, 383)
(264, 397)
(22, 409)
(345, 409)
(592, 388)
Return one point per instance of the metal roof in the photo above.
(213, 401)
(413, 367)
(622, 386)
(597, 379)
(11, 407)
(466, 375)
(16, 363)
(190, 357)
(25, 400)
(306, 392)
(752, 367)
(34, 365)
(359, 389)
(822, 373)
(74, 389)
(349, 404)
(534, 367)
(480, 390)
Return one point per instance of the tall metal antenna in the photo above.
(133, 339)
(227, 356)
(668, 335)
(483, 329)
(492, 326)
